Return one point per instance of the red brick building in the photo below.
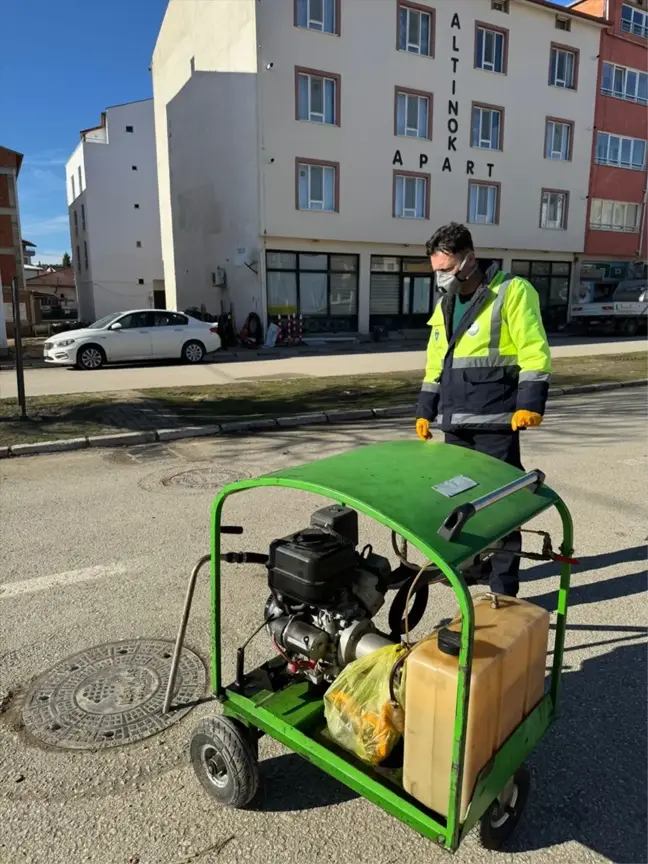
(11, 250)
(615, 240)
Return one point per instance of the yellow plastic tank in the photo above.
(507, 682)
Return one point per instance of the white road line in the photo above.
(59, 580)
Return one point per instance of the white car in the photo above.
(139, 334)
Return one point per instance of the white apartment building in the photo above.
(307, 149)
(113, 205)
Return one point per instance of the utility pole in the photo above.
(20, 372)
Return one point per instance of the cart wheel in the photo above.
(499, 821)
(224, 759)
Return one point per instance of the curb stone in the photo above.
(122, 439)
(180, 432)
(61, 446)
(349, 416)
(302, 420)
(249, 425)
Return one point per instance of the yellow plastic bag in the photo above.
(359, 712)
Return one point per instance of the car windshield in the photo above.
(102, 323)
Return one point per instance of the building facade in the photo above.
(114, 213)
(326, 158)
(615, 241)
(11, 248)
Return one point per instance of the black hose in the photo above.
(397, 609)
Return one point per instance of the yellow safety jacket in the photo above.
(496, 362)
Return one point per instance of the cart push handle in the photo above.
(455, 521)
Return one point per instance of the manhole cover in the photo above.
(205, 477)
(111, 694)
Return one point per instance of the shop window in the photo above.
(321, 287)
(551, 279)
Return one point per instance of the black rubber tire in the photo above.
(188, 352)
(96, 349)
(630, 327)
(224, 758)
(494, 836)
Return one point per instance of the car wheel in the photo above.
(193, 352)
(90, 357)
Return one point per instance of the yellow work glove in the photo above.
(524, 419)
(423, 429)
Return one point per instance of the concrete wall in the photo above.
(113, 225)
(370, 67)
(204, 85)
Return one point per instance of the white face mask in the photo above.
(450, 283)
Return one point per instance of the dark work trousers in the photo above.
(505, 566)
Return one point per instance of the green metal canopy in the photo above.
(394, 484)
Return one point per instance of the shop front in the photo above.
(319, 286)
(551, 279)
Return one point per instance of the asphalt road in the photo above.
(97, 546)
(54, 380)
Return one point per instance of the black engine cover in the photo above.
(310, 566)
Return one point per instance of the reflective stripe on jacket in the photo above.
(495, 363)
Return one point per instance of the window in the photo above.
(559, 139)
(563, 67)
(551, 279)
(553, 209)
(169, 319)
(129, 129)
(401, 291)
(491, 48)
(634, 21)
(136, 206)
(483, 202)
(135, 320)
(140, 281)
(623, 83)
(615, 216)
(85, 254)
(133, 167)
(317, 185)
(318, 96)
(500, 6)
(83, 222)
(72, 186)
(413, 114)
(563, 23)
(415, 29)
(320, 286)
(78, 259)
(620, 152)
(411, 196)
(80, 180)
(487, 128)
(76, 223)
(322, 15)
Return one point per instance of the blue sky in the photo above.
(69, 60)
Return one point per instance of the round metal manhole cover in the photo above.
(205, 477)
(111, 694)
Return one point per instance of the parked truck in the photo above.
(606, 305)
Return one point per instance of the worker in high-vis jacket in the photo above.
(488, 367)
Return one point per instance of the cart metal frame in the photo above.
(394, 484)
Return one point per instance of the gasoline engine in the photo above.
(324, 594)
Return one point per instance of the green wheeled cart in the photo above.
(453, 506)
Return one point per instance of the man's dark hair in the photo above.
(453, 238)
